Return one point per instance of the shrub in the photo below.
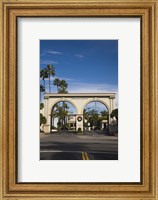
(42, 119)
(41, 106)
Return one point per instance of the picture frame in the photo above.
(10, 11)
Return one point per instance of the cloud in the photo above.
(50, 51)
(77, 87)
(47, 62)
(92, 87)
(79, 55)
(54, 52)
(65, 78)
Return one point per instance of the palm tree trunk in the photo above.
(49, 83)
(44, 84)
(50, 123)
(64, 116)
(53, 121)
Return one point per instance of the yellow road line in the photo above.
(83, 156)
(86, 156)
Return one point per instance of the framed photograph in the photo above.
(78, 99)
(76, 104)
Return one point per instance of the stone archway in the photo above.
(91, 110)
(68, 122)
(78, 100)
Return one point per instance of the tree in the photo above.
(104, 113)
(53, 115)
(86, 117)
(57, 83)
(114, 114)
(60, 112)
(42, 89)
(86, 113)
(51, 72)
(42, 119)
(44, 75)
(94, 117)
(41, 106)
(63, 87)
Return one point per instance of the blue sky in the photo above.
(86, 65)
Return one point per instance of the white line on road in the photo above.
(59, 151)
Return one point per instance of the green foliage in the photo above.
(104, 113)
(94, 117)
(47, 73)
(42, 89)
(114, 114)
(57, 83)
(51, 72)
(42, 119)
(41, 106)
(85, 124)
(43, 75)
(61, 85)
(60, 112)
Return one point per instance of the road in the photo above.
(67, 146)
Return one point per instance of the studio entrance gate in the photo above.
(79, 101)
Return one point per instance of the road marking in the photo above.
(59, 151)
(86, 156)
(83, 156)
(92, 152)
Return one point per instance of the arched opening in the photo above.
(96, 117)
(63, 117)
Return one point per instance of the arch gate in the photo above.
(79, 101)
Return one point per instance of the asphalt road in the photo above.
(67, 146)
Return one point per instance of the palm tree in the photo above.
(114, 114)
(51, 72)
(61, 112)
(93, 117)
(63, 86)
(86, 113)
(57, 83)
(43, 75)
(53, 114)
(42, 89)
(65, 108)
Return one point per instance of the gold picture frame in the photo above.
(148, 12)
